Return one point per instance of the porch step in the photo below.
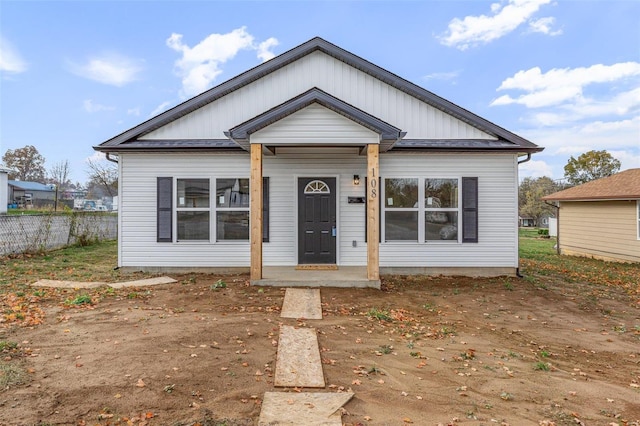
(319, 282)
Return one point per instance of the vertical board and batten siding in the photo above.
(315, 125)
(605, 229)
(497, 174)
(497, 211)
(418, 119)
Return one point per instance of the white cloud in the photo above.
(535, 169)
(160, 108)
(10, 59)
(264, 49)
(561, 84)
(450, 75)
(110, 68)
(91, 107)
(134, 111)
(543, 25)
(475, 30)
(200, 65)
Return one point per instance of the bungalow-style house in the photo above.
(318, 158)
(23, 193)
(601, 218)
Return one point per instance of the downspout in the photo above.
(557, 225)
(113, 160)
(518, 274)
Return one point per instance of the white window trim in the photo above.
(422, 209)
(212, 209)
(638, 220)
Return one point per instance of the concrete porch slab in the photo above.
(302, 409)
(302, 303)
(298, 361)
(289, 276)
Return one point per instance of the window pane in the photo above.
(232, 192)
(401, 193)
(232, 225)
(193, 193)
(401, 226)
(193, 226)
(441, 193)
(441, 226)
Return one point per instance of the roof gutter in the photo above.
(113, 160)
(526, 159)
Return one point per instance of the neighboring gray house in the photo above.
(34, 194)
(319, 158)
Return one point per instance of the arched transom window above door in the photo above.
(316, 187)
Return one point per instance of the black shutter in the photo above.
(265, 209)
(469, 209)
(165, 209)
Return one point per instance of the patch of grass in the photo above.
(6, 345)
(431, 307)
(541, 366)
(11, 375)
(386, 349)
(83, 299)
(545, 354)
(508, 285)
(380, 314)
(374, 370)
(219, 284)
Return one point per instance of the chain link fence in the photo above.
(43, 232)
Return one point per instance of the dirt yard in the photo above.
(422, 352)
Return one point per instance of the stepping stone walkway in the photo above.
(298, 364)
(302, 303)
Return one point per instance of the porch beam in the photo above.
(373, 212)
(255, 206)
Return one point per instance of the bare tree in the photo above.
(59, 175)
(103, 175)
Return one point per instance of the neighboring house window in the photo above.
(193, 209)
(430, 209)
(232, 209)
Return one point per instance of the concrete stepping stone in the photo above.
(302, 409)
(298, 361)
(302, 303)
(96, 284)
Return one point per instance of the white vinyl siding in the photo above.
(497, 173)
(418, 119)
(315, 125)
(497, 212)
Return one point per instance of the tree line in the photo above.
(27, 164)
(589, 166)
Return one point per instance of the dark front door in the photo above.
(316, 220)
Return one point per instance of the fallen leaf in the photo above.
(140, 383)
(407, 420)
(367, 418)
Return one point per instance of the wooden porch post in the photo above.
(373, 212)
(255, 183)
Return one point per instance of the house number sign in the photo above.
(373, 184)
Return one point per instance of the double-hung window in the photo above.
(193, 209)
(232, 209)
(426, 209)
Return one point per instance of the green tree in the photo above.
(590, 166)
(529, 198)
(26, 164)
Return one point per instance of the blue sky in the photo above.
(564, 74)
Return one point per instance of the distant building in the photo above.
(4, 189)
(31, 194)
